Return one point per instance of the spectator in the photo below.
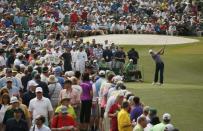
(41, 105)
(5, 101)
(10, 111)
(54, 90)
(81, 60)
(63, 121)
(66, 102)
(86, 101)
(39, 124)
(137, 110)
(67, 60)
(30, 94)
(13, 91)
(16, 123)
(42, 84)
(113, 112)
(3, 80)
(141, 124)
(161, 126)
(133, 54)
(68, 91)
(124, 122)
(132, 72)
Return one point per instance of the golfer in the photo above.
(159, 65)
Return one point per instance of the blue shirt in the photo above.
(8, 23)
(86, 27)
(14, 81)
(136, 112)
(98, 85)
(157, 58)
(18, 20)
(14, 91)
(60, 80)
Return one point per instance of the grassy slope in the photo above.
(183, 63)
(182, 94)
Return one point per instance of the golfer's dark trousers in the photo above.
(159, 69)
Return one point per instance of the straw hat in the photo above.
(52, 79)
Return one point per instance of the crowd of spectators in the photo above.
(50, 79)
(94, 17)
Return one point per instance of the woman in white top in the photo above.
(75, 85)
(54, 90)
(5, 100)
(39, 124)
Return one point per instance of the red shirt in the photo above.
(74, 18)
(114, 124)
(60, 121)
(84, 15)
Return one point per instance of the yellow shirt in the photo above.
(124, 123)
(70, 110)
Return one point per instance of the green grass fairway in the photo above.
(182, 93)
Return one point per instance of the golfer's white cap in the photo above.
(150, 51)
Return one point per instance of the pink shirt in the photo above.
(73, 94)
(103, 93)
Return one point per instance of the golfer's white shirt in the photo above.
(40, 107)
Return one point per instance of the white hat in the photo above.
(14, 99)
(131, 60)
(32, 83)
(101, 72)
(117, 78)
(22, 66)
(69, 73)
(169, 127)
(38, 89)
(150, 51)
(95, 61)
(119, 83)
(19, 54)
(166, 116)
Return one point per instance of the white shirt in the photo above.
(2, 61)
(40, 107)
(109, 103)
(2, 112)
(148, 127)
(73, 55)
(78, 88)
(17, 62)
(43, 128)
(81, 56)
(134, 27)
(95, 26)
(44, 78)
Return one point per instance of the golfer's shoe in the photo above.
(153, 83)
(160, 84)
